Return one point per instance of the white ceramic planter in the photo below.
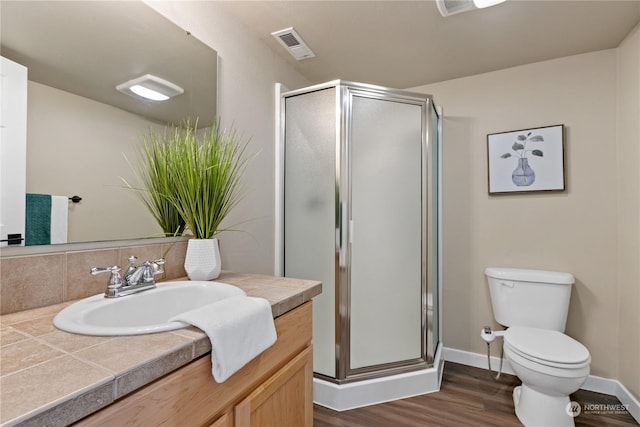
(202, 261)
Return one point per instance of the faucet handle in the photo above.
(99, 270)
(152, 268)
(115, 282)
(157, 266)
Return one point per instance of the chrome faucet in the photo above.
(136, 278)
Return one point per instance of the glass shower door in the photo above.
(386, 231)
(360, 214)
(310, 210)
(433, 266)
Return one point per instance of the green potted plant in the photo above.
(203, 168)
(155, 180)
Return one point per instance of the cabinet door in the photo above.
(285, 399)
(224, 421)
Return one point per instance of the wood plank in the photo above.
(468, 397)
(190, 396)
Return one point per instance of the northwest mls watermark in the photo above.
(574, 408)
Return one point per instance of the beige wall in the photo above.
(583, 230)
(247, 73)
(75, 146)
(628, 110)
(574, 231)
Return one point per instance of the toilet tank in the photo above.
(533, 298)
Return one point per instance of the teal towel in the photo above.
(38, 220)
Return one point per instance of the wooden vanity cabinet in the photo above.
(286, 397)
(274, 389)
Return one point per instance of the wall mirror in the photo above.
(81, 132)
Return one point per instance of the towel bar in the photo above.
(13, 239)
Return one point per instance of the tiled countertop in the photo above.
(50, 377)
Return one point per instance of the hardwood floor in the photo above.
(468, 397)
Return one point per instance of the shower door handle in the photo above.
(342, 233)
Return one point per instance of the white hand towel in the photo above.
(240, 328)
(59, 219)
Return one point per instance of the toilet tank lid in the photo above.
(541, 276)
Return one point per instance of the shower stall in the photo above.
(359, 210)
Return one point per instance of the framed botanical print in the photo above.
(526, 160)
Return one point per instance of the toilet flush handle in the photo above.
(507, 284)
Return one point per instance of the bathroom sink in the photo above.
(146, 312)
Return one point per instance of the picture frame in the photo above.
(526, 160)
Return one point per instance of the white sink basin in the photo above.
(146, 312)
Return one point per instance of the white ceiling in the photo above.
(405, 44)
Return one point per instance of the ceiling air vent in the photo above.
(292, 41)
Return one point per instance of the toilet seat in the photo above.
(547, 347)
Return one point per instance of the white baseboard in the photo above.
(593, 383)
(342, 397)
(629, 400)
(476, 360)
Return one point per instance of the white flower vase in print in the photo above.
(523, 175)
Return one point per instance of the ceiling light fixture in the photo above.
(451, 7)
(150, 87)
(481, 4)
(294, 44)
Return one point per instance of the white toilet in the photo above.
(534, 304)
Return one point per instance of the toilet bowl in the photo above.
(533, 305)
(551, 366)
